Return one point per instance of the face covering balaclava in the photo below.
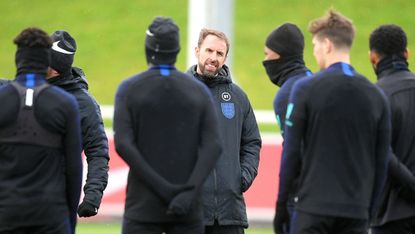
(288, 41)
(279, 69)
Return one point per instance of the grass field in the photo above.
(113, 228)
(110, 35)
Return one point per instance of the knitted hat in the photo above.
(162, 41)
(63, 52)
(286, 40)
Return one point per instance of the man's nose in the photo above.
(213, 56)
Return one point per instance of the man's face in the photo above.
(319, 51)
(270, 54)
(211, 55)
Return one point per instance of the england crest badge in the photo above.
(228, 109)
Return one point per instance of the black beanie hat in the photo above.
(286, 40)
(63, 52)
(162, 41)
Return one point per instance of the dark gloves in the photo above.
(281, 221)
(86, 209)
(182, 202)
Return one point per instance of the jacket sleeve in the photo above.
(400, 173)
(126, 147)
(95, 145)
(401, 176)
(383, 152)
(73, 161)
(295, 125)
(250, 147)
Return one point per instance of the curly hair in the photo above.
(33, 38)
(336, 27)
(388, 40)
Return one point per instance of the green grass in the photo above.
(110, 35)
(98, 228)
(113, 228)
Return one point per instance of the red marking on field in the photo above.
(262, 193)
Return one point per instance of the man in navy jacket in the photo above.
(237, 167)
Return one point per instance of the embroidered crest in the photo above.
(226, 96)
(228, 109)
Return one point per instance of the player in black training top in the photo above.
(389, 55)
(284, 65)
(40, 146)
(166, 130)
(342, 120)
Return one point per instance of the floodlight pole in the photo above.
(215, 14)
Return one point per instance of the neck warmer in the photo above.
(390, 64)
(279, 70)
(32, 60)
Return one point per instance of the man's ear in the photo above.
(373, 57)
(197, 50)
(406, 54)
(328, 45)
(51, 73)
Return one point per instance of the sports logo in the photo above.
(56, 47)
(228, 109)
(226, 96)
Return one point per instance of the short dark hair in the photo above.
(206, 32)
(388, 40)
(33, 38)
(336, 27)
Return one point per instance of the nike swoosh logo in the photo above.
(149, 33)
(55, 47)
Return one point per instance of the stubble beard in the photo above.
(208, 74)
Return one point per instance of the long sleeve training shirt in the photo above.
(343, 121)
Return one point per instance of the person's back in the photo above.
(167, 131)
(32, 169)
(344, 111)
(40, 147)
(389, 55)
(167, 122)
(400, 88)
(337, 139)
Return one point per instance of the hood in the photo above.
(223, 77)
(75, 80)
